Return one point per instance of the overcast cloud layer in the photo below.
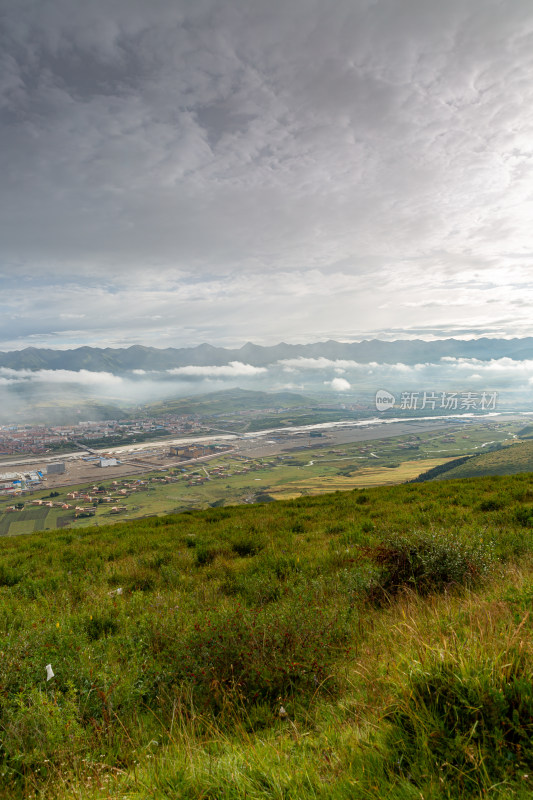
(176, 172)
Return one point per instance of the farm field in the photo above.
(363, 477)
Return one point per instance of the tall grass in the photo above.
(363, 644)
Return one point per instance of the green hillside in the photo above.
(226, 401)
(362, 644)
(526, 433)
(509, 460)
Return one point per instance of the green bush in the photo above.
(39, 727)
(524, 516)
(491, 505)
(247, 545)
(9, 577)
(428, 561)
(259, 655)
(99, 625)
(205, 554)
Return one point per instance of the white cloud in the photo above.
(339, 384)
(460, 374)
(82, 378)
(302, 363)
(234, 369)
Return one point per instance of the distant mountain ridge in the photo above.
(119, 360)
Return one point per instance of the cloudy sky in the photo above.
(179, 171)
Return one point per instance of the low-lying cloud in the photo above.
(28, 389)
(235, 369)
(82, 378)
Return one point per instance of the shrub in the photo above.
(39, 726)
(297, 527)
(524, 516)
(428, 562)
(247, 545)
(256, 656)
(204, 555)
(99, 625)
(9, 577)
(490, 505)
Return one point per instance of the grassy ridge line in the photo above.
(334, 607)
(508, 460)
(440, 469)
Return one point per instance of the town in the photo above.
(44, 439)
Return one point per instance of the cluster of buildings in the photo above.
(39, 439)
(186, 452)
(17, 439)
(83, 502)
(15, 483)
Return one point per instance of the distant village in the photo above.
(45, 439)
(84, 502)
(26, 481)
(41, 439)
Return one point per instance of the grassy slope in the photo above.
(507, 461)
(172, 687)
(222, 402)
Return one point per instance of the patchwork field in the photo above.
(366, 476)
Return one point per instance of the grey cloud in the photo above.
(199, 144)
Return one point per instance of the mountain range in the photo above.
(121, 360)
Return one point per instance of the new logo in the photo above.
(384, 400)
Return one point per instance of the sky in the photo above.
(186, 171)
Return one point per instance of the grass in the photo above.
(362, 477)
(513, 458)
(391, 625)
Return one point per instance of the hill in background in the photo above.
(118, 360)
(224, 401)
(506, 460)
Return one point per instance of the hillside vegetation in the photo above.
(363, 644)
(508, 460)
(226, 401)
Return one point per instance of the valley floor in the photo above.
(297, 464)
